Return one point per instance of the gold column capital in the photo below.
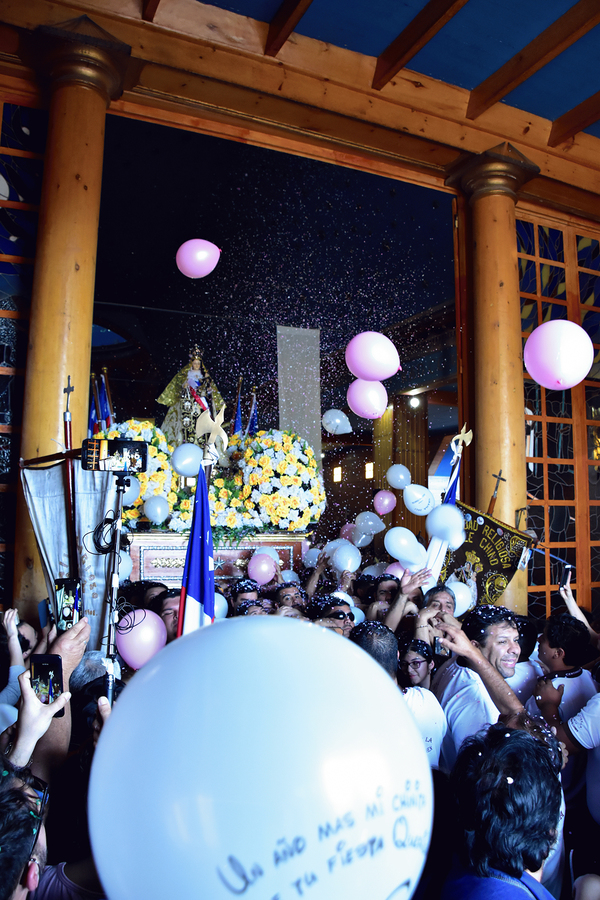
(80, 52)
(501, 170)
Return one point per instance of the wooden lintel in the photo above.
(576, 22)
(149, 8)
(283, 23)
(417, 33)
(575, 120)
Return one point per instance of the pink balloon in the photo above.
(261, 568)
(384, 502)
(367, 398)
(140, 635)
(197, 258)
(558, 354)
(394, 569)
(372, 356)
(347, 530)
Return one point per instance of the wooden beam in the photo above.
(575, 120)
(417, 33)
(576, 22)
(149, 8)
(283, 24)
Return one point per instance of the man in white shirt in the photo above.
(460, 690)
(562, 648)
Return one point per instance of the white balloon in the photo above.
(132, 491)
(369, 523)
(398, 476)
(342, 595)
(347, 559)
(376, 570)
(125, 565)
(359, 615)
(310, 558)
(360, 539)
(464, 598)
(457, 539)
(332, 546)
(415, 559)
(444, 521)
(199, 827)
(186, 460)
(290, 576)
(400, 542)
(418, 499)
(156, 509)
(220, 606)
(336, 422)
(269, 552)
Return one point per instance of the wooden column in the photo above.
(84, 69)
(492, 180)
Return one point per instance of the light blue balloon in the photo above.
(222, 694)
(186, 460)
(156, 509)
(220, 606)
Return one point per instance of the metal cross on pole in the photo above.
(498, 478)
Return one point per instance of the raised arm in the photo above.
(33, 722)
(567, 595)
(410, 586)
(313, 581)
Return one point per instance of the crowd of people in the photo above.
(508, 710)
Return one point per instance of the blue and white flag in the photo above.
(238, 428)
(252, 419)
(197, 606)
(105, 414)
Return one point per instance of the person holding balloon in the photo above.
(166, 605)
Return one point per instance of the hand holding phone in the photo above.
(565, 578)
(46, 678)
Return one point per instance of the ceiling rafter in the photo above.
(576, 22)
(149, 8)
(575, 120)
(283, 24)
(417, 33)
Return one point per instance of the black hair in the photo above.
(328, 604)
(406, 644)
(243, 586)
(528, 635)
(571, 635)
(245, 605)
(289, 584)
(385, 577)
(378, 641)
(18, 824)
(508, 797)
(439, 588)
(156, 604)
(476, 622)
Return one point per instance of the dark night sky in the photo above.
(304, 243)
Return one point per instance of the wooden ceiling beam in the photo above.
(576, 22)
(417, 33)
(283, 24)
(149, 8)
(575, 120)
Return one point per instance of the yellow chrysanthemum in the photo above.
(185, 504)
(219, 506)
(230, 521)
(281, 466)
(238, 480)
(172, 497)
(185, 516)
(235, 502)
(223, 493)
(219, 482)
(253, 478)
(249, 504)
(246, 490)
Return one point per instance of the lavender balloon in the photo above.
(558, 354)
(261, 568)
(140, 635)
(384, 502)
(197, 258)
(367, 399)
(372, 357)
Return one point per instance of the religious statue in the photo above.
(188, 395)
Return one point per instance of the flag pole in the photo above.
(108, 396)
(96, 398)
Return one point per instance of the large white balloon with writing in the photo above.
(183, 804)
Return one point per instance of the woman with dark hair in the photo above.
(416, 663)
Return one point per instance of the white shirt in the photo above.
(430, 720)
(467, 705)
(585, 728)
(524, 680)
(578, 687)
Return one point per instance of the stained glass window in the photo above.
(551, 243)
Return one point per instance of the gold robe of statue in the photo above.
(187, 395)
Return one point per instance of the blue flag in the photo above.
(237, 425)
(197, 606)
(104, 405)
(93, 420)
(252, 418)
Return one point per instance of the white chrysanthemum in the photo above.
(284, 524)
(265, 487)
(255, 496)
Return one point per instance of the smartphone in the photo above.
(46, 678)
(439, 649)
(68, 602)
(120, 455)
(565, 574)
